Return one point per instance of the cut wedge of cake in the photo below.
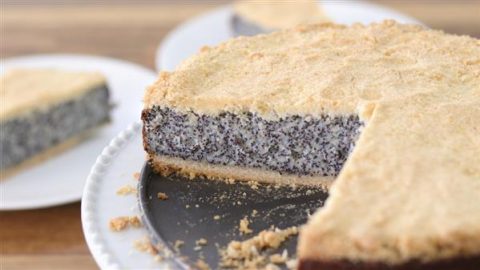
(409, 195)
(391, 110)
(45, 111)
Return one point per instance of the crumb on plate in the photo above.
(244, 229)
(126, 190)
(248, 254)
(144, 245)
(121, 223)
(202, 265)
(162, 196)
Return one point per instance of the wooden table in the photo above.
(52, 238)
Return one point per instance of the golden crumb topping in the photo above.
(26, 89)
(318, 69)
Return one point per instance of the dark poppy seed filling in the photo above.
(35, 131)
(304, 146)
(242, 27)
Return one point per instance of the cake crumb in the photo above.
(134, 222)
(201, 242)
(244, 229)
(254, 213)
(121, 223)
(272, 266)
(144, 245)
(216, 217)
(253, 184)
(279, 258)
(178, 244)
(136, 175)
(292, 264)
(162, 196)
(192, 176)
(202, 265)
(126, 190)
(247, 254)
(158, 258)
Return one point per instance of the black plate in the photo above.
(188, 214)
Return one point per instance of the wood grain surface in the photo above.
(131, 30)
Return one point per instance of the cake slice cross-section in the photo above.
(45, 111)
(384, 115)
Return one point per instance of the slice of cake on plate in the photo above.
(256, 17)
(45, 111)
(391, 110)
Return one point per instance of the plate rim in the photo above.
(14, 60)
(97, 247)
(23, 57)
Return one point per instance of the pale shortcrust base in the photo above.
(167, 165)
(47, 154)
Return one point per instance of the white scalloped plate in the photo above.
(60, 179)
(113, 169)
(214, 27)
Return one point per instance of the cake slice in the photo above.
(390, 109)
(45, 111)
(256, 17)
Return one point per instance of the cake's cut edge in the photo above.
(167, 165)
(50, 152)
(468, 263)
(317, 146)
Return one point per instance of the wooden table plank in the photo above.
(131, 30)
(55, 230)
(48, 262)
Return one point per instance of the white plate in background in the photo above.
(215, 26)
(61, 178)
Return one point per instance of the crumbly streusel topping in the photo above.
(319, 68)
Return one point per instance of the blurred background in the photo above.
(129, 30)
(132, 30)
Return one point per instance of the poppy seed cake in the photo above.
(391, 111)
(47, 109)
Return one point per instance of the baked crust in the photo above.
(470, 263)
(191, 169)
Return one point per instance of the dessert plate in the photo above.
(113, 169)
(187, 215)
(216, 26)
(61, 178)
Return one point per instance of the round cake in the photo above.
(386, 116)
